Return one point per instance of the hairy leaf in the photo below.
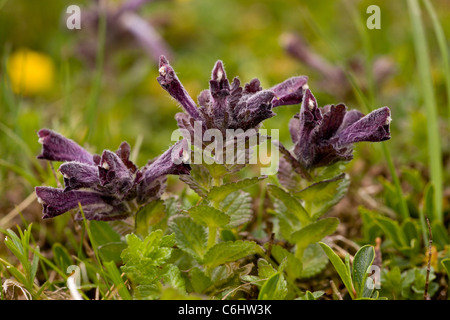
(361, 263)
(191, 237)
(229, 251)
(219, 193)
(238, 206)
(312, 233)
(291, 203)
(208, 216)
(322, 196)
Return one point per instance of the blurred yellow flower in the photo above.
(30, 72)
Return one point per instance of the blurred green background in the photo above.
(121, 100)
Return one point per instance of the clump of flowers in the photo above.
(235, 112)
(107, 186)
(324, 136)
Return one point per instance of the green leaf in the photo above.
(290, 202)
(208, 216)
(111, 251)
(61, 257)
(119, 284)
(440, 235)
(340, 268)
(200, 282)
(410, 230)
(446, 264)
(103, 233)
(361, 263)
(314, 261)
(322, 196)
(312, 233)
(191, 237)
(287, 222)
(198, 180)
(171, 275)
(238, 206)
(145, 259)
(274, 288)
(218, 193)
(293, 265)
(149, 216)
(392, 230)
(229, 251)
(265, 270)
(311, 295)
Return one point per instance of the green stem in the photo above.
(92, 107)
(428, 97)
(404, 211)
(442, 42)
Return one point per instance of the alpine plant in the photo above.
(107, 186)
(323, 136)
(235, 111)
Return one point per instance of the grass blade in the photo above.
(442, 42)
(429, 100)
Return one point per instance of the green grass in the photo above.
(426, 90)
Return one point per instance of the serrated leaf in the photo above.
(198, 180)
(200, 282)
(340, 268)
(275, 288)
(293, 267)
(287, 221)
(149, 216)
(290, 202)
(218, 193)
(238, 206)
(361, 263)
(314, 261)
(265, 270)
(322, 196)
(171, 275)
(208, 216)
(144, 260)
(191, 237)
(312, 233)
(229, 251)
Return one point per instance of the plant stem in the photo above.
(442, 42)
(426, 89)
(404, 211)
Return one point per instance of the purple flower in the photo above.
(323, 136)
(109, 186)
(229, 106)
(56, 147)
